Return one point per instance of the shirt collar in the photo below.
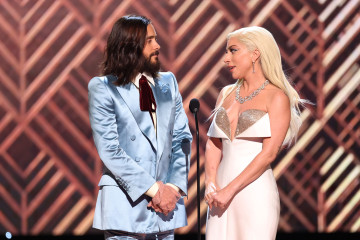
(149, 78)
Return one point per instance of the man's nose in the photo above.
(156, 45)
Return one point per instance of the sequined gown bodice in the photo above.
(254, 211)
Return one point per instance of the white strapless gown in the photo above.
(254, 212)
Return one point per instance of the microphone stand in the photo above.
(198, 176)
(194, 108)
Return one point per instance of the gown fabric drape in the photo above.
(254, 212)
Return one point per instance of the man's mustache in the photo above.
(155, 53)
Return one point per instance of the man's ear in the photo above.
(255, 55)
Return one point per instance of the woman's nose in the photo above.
(226, 58)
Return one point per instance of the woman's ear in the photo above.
(255, 55)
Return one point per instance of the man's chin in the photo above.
(155, 63)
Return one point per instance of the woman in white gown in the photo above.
(253, 118)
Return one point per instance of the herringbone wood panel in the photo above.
(50, 49)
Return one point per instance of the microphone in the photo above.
(194, 106)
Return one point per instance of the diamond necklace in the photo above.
(241, 100)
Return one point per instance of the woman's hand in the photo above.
(210, 189)
(222, 198)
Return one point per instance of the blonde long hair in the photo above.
(270, 61)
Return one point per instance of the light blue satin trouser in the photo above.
(121, 235)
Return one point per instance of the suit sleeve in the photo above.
(181, 145)
(132, 177)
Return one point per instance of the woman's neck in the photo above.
(253, 82)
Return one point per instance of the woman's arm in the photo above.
(212, 161)
(279, 114)
(213, 152)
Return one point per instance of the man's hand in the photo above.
(165, 199)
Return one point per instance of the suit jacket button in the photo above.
(169, 156)
(132, 138)
(171, 132)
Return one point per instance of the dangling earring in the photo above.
(253, 66)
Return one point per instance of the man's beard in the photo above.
(151, 68)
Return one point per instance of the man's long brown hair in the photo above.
(124, 50)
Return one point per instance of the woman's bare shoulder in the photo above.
(276, 97)
(224, 92)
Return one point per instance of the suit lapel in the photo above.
(163, 99)
(130, 95)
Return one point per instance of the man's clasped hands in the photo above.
(165, 199)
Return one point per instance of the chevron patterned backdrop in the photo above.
(50, 49)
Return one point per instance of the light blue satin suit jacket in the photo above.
(134, 156)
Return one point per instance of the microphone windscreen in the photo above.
(194, 105)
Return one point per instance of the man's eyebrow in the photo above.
(152, 36)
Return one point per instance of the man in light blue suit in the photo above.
(142, 136)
